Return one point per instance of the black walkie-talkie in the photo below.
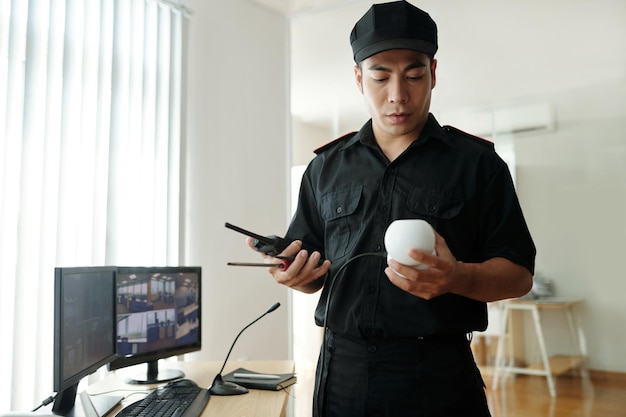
(269, 245)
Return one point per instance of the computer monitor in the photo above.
(158, 316)
(84, 334)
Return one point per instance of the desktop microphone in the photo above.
(221, 387)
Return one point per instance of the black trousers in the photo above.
(428, 377)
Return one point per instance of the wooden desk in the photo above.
(256, 403)
(550, 366)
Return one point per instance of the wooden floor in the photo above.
(527, 396)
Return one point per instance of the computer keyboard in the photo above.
(169, 401)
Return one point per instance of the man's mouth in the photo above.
(398, 117)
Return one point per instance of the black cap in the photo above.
(395, 25)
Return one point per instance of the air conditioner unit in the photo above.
(509, 120)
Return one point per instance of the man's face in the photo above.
(396, 86)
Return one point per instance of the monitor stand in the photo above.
(156, 376)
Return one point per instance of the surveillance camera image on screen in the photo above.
(158, 316)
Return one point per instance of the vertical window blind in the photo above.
(90, 122)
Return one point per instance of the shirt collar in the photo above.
(365, 136)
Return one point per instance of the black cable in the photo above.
(338, 275)
(53, 397)
(45, 402)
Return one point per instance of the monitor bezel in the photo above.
(156, 355)
(60, 383)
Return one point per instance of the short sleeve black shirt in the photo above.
(351, 192)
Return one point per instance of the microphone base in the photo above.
(221, 387)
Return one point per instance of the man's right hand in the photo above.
(303, 274)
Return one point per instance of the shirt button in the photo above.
(339, 210)
(383, 209)
(371, 289)
(371, 348)
(432, 208)
(377, 248)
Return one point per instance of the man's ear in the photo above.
(433, 73)
(358, 76)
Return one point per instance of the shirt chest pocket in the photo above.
(338, 210)
(434, 205)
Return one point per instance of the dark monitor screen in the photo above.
(158, 316)
(84, 329)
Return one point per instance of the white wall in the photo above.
(307, 138)
(236, 170)
(572, 185)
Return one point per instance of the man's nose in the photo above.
(398, 92)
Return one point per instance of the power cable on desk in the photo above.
(284, 389)
(51, 398)
(132, 391)
(45, 402)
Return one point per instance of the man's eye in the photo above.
(415, 77)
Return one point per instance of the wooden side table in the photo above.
(550, 366)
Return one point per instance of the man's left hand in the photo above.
(428, 283)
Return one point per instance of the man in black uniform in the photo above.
(398, 346)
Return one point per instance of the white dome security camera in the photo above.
(406, 234)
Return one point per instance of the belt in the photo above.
(436, 338)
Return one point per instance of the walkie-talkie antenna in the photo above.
(269, 245)
(253, 235)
